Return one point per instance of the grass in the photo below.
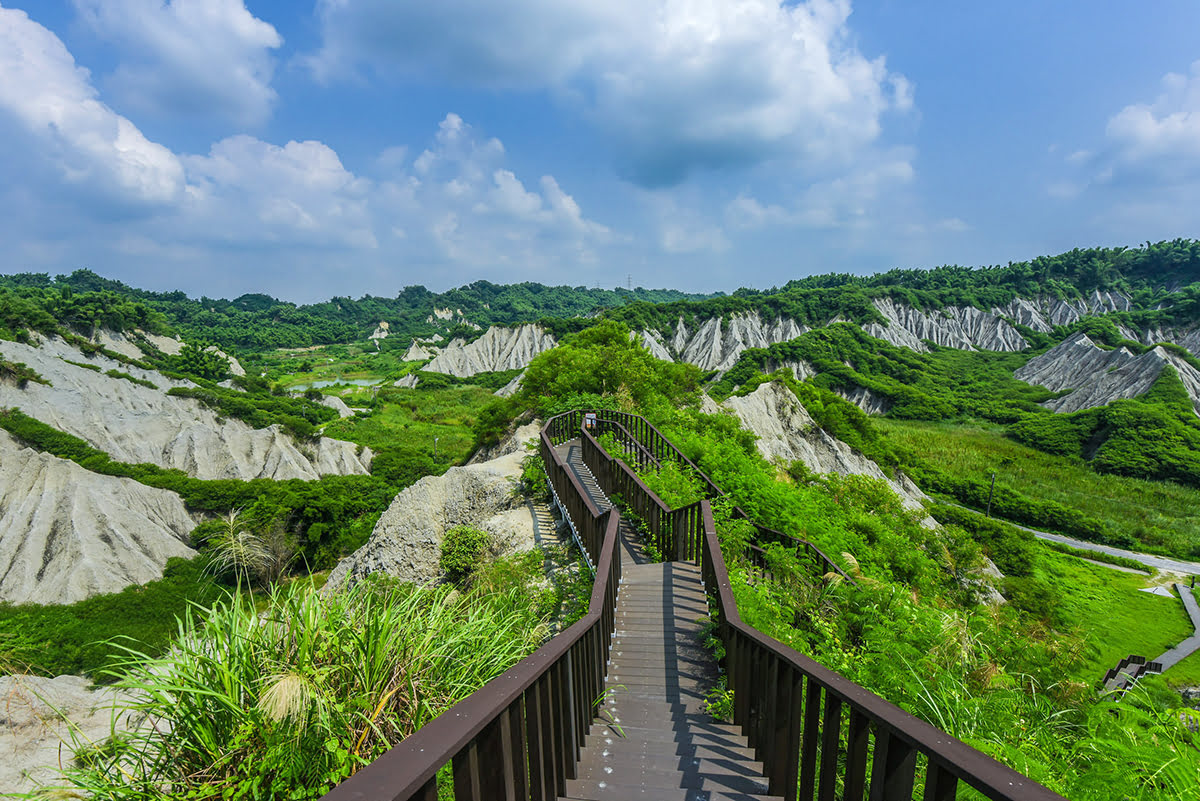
(410, 419)
(287, 702)
(85, 637)
(1115, 618)
(330, 363)
(1164, 517)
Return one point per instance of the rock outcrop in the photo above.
(38, 715)
(417, 353)
(510, 389)
(962, 327)
(718, 342)
(407, 540)
(1100, 376)
(67, 533)
(1043, 313)
(338, 405)
(786, 432)
(497, 350)
(135, 423)
(652, 342)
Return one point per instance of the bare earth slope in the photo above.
(787, 432)
(1100, 376)
(67, 533)
(497, 350)
(134, 423)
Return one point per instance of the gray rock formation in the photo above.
(868, 401)
(407, 540)
(37, 718)
(497, 350)
(786, 432)
(652, 342)
(1101, 376)
(418, 353)
(510, 389)
(801, 369)
(962, 327)
(133, 423)
(67, 533)
(338, 405)
(717, 344)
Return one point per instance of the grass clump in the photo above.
(288, 702)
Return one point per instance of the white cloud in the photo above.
(456, 204)
(192, 57)
(1160, 138)
(52, 101)
(679, 84)
(247, 190)
(849, 199)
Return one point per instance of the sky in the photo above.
(348, 147)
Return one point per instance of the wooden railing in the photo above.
(517, 737)
(652, 447)
(814, 730)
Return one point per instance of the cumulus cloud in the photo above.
(51, 100)
(1162, 138)
(679, 85)
(191, 57)
(457, 203)
(474, 203)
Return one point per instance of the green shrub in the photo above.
(463, 551)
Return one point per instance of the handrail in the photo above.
(786, 703)
(519, 735)
(654, 443)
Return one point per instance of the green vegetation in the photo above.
(86, 637)
(19, 373)
(1156, 435)
(1152, 515)
(85, 301)
(463, 551)
(289, 701)
(127, 377)
(299, 416)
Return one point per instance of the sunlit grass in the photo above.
(412, 419)
(1161, 515)
(1108, 608)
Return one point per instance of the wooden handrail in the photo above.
(519, 735)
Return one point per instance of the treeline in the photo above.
(1150, 275)
(258, 321)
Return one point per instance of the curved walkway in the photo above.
(1191, 644)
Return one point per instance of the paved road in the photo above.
(1150, 560)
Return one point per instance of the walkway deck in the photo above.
(652, 738)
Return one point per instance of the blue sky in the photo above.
(345, 147)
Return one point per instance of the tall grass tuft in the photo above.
(288, 702)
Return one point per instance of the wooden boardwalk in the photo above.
(651, 738)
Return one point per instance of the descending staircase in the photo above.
(652, 738)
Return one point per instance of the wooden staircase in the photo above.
(651, 737)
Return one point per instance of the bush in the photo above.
(463, 550)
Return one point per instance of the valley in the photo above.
(255, 460)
